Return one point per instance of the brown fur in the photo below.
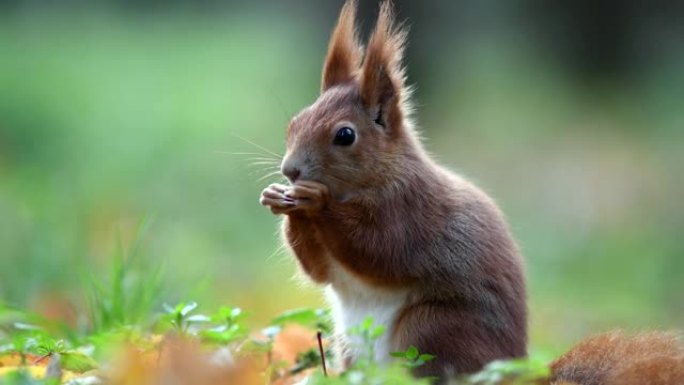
(655, 358)
(385, 212)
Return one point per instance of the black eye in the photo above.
(345, 136)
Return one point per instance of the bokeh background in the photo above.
(570, 113)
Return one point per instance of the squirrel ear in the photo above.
(382, 78)
(344, 51)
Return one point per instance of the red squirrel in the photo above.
(392, 234)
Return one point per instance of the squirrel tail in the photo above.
(652, 358)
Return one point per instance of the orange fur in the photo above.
(616, 358)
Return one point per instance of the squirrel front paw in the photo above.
(274, 197)
(308, 196)
(304, 196)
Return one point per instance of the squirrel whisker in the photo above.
(260, 147)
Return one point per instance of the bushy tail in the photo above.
(616, 358)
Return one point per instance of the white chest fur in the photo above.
(352, 301)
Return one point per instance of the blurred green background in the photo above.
(570, 113)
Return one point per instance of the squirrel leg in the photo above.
(297, 202)
(461, 340)
(301, 233)
(302, 237)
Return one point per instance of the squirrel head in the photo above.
(357, 133)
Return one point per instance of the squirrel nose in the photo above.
(291, 172)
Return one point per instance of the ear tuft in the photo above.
(344, 51)
(382, 79)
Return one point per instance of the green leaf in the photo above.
(43, 345)
(377, 331)
(272, 331)
(188, 308)
(521, 369)
(198, 318)
(426, 357)
(308, 359)
(412, 353)
(25, 326)
(304, 317)
(223, 334)
(228, 316)
(367, 323)
(78, 362)
(168, 308)
(235, 312)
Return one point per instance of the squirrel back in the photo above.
(617, 358)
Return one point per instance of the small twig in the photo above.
(41, 358)
(162, 344)
(320, 349)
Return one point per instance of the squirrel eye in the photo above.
(345, 136)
